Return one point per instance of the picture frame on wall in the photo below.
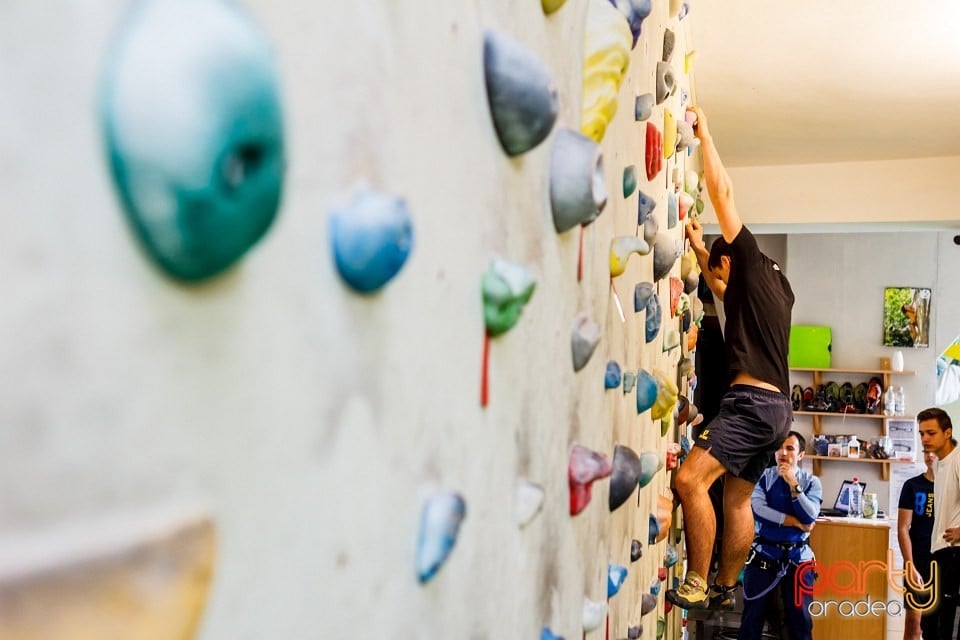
(903, 435)
(906, 317)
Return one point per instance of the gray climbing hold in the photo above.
(665, 81)
(666, 250)
(578, 191)
(645, 206)
(641, 295)
(669, 39)
(643, 107)
(520, 91)
(650, 228)
(585, 338)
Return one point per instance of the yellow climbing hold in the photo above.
(620, 249)
(669, 134)
(605, 59)
(666, 397)
(549, 6)
(688, 264)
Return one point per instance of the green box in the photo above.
(810, 347)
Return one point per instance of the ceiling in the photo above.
(828, 80)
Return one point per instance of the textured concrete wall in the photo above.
(312, 422)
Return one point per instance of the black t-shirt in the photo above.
(917, 495)
(757, 303)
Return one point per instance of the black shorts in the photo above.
(750, 427)
(922, 599)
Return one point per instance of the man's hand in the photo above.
(700, 125)
(915, 579)
(786, 471)
(952, 535)
(694, 232)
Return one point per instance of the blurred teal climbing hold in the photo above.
(192, 122)
(629, 180)
(650, 464)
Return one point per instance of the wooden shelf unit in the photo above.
(817, 416)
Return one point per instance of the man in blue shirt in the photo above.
(785, 502)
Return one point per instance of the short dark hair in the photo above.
(941, 416)
(718, 249)
(800, 439)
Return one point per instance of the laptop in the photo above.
(841, 506)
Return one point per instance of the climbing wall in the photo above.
(385, 296)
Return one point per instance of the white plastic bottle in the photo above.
(889, 401)
(854, 447)
(856, 500)
(899, 401)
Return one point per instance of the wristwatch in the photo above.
(795, 489)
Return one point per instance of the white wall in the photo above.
(839, 279)
(313, 422)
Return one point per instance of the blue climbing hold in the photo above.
(611, 379)
(439, 527)
(654, 317)
(672, 211)
(654, 530)
(372, 237)
(645, 205)
(647, 390)
(635, 11)
(616, 575)
(641, 295)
